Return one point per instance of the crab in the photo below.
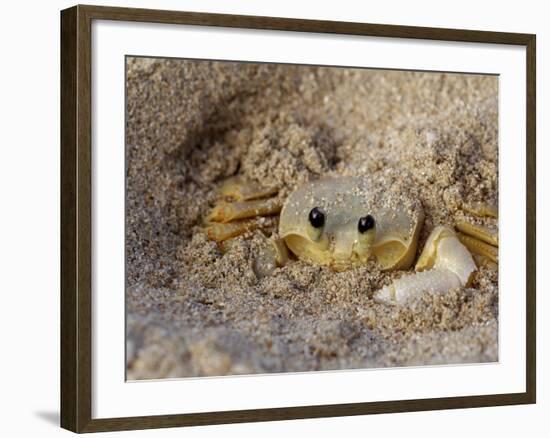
(344, 222)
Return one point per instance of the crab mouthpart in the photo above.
(342, 246)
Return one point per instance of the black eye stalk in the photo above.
(316, 218)
(365, 224)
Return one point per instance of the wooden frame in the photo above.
(76, 309)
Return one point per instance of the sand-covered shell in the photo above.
(392, 241)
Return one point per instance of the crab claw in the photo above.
(444, 264)
(273, 255)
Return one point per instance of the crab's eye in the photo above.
(316, 218)
(365, 224)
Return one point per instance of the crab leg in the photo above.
(444, 264)
(479, 232)
(220, 232)
(481, 209)
(235, 188)
(482, 261)
(229, 211)
(481, 241)
(478, 247)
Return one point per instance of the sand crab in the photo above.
(343, 222)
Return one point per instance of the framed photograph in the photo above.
(268, 218)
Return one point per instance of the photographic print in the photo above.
(291, 218)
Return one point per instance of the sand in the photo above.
(193, 310)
